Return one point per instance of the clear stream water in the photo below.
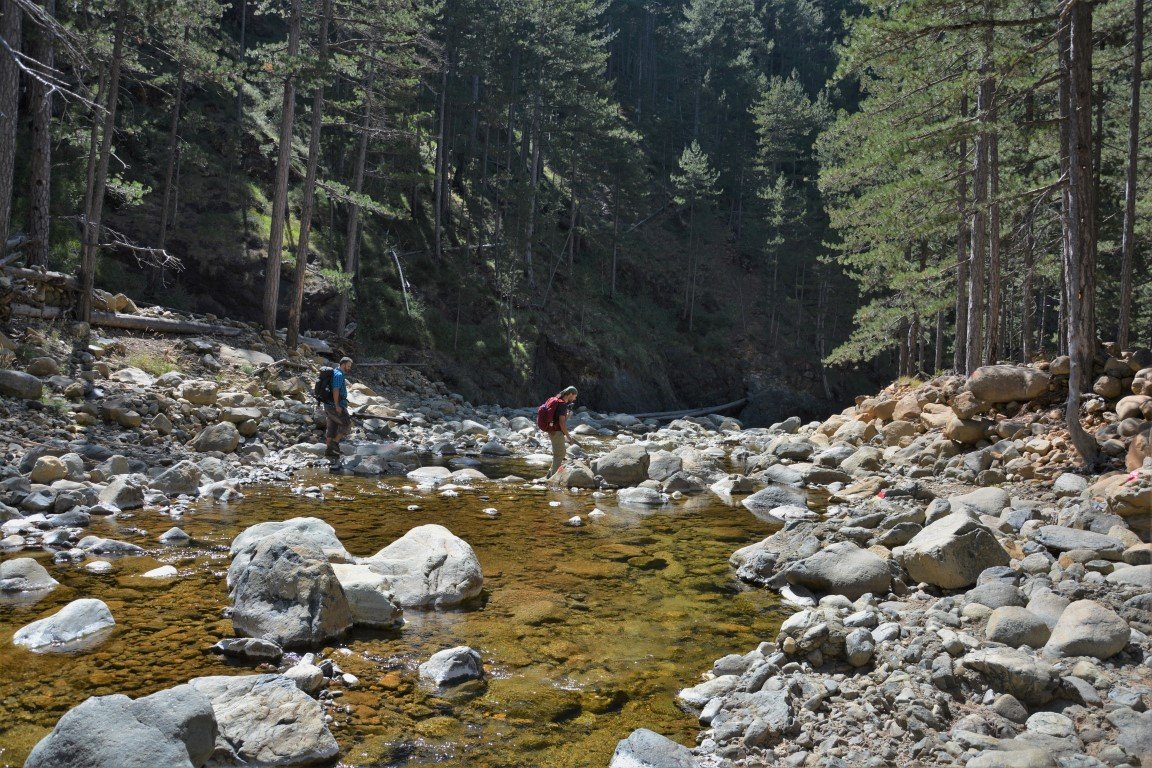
(586, 633)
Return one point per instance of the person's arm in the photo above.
(564, 428)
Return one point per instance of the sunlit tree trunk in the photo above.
(94, 216)
(292, 338)
(283, 166)
(1128, 239)
(11, 20)
(40, 162)
(1079, 214)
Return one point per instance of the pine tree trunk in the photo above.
(615, 234)
(1128, 241)
(960, 346)
(992, 341)
(439, 191)
(292, 338)
(11, 21)
(157, 276)
(92, 231)
(40, 161)
(352, 239)
(1028, 303)
(1079, 214)
(980, 178)
(534, 181)
(283, 166)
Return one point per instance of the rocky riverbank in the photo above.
(963, 595)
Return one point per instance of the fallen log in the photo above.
(672, 415)
(41, 276)
(159, 324)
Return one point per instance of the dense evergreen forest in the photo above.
(674, 201)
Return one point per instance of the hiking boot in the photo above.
(332, 449)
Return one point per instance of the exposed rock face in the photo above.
(309, 531)
(1017, 672)
(183, 477)
(175, 728)
(289, 594)
(429, 567)
(1007, 383)
(952, 552)
(266, 720)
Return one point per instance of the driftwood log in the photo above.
(672, 415)
(130, 322)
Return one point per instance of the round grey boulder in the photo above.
(1016, 626)
(182, 478)
(1087, 628)
(82, 623)
(453, 666)
(23, 574)
(175, 728)
(222, 436)
(842, 569)
(647, 749)
(429, 567)
(20, 385)
(1006, 383)
(289, 594)
(624, 466)
(952, 552)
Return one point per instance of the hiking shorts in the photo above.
(339, 424)
(559, 451)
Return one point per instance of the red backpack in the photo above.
(546, 415)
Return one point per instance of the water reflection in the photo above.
(586, 633)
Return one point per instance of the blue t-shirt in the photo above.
(339, 384)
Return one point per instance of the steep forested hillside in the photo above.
(670, 203)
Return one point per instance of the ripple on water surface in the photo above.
(586, 633)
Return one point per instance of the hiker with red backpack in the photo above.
(552, 418)
(332, 391)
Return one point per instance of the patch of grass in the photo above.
(910, 381)
(157, 366)
(56, 403)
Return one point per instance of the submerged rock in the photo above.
(83, 622)
(453, 666)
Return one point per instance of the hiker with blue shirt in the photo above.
(336, 411)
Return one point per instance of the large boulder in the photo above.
(308, 531)
(952, 552)
(371, 603)
(222, 436)
(1007, 383)
(1016, 626)
(453, 666)
(20, 385)
(124, 492)
(983, 501)
(842, 569)
(624, 466)
(289, 594)
(265, 720)
(23, 574)
(647, 749)
(1020, 673)
(1087, 628)
(174, 728)
(80, 624)
(765, 500)
(200, 392)
(182, 478)
(1140, 449)
(429, 567)
(1061, 539)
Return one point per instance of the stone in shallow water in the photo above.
(250, 648)
(81, 623)
(175, 728)
(647, 749)
(23, 574)
(266, 720)
(429, 567)
(452, 666)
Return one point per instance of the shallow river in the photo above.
(586, 633)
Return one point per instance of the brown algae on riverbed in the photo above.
(586, 633)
